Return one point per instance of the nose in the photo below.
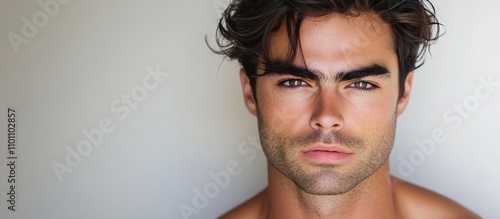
(327, 111)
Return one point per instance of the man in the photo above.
(327, 80)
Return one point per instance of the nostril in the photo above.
(327, 122)
(327, 112)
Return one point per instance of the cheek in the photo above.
(369, 114)
(284, 113)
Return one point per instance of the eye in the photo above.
(362, 85)
(292, 83)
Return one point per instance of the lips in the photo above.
(326, 154)
(327, 148)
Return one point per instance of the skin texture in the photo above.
(305, 121)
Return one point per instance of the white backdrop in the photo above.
(123, 112)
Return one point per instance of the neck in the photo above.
(371, 198)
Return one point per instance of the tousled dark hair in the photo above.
(246, 26)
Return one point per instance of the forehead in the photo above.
(339, 42)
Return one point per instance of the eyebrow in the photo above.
(371, 70)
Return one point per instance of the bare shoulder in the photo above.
(416, 202)
(250, 209)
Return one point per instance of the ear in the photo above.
(247, 92)
(403, 101)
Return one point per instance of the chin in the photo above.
(326, 182)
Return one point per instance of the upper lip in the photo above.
(327, 148)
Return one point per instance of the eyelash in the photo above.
(283, 83)
(368, 84)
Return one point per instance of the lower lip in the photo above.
(326, 156)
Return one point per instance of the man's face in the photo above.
(331, 125)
